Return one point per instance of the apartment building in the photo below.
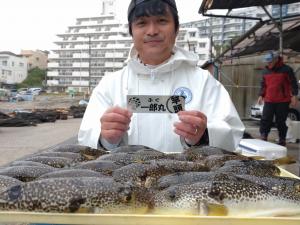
(13, 68)
(189, 39)
(98, 46)
(89, 50)
(36, 58)
(223, 30)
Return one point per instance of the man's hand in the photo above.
(260, 100)
(114, 124)
(294, 101)
(191, 127)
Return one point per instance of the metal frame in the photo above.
(277, 24)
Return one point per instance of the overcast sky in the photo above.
(33, 24)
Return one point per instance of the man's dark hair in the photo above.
(140, 8)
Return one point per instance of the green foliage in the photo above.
(35, 78)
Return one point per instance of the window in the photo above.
(193, 34)
(21, 64)
(12, 63)
(6, 72)
(4, 63)
(202, 56)
(202, 45)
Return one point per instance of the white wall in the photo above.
(13, 69)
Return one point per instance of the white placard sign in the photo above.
(155, 103)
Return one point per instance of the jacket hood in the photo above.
(180, 56)
(277, 65)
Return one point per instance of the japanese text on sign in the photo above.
(155, 104)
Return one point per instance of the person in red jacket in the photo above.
(279, 89)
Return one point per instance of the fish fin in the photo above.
(85, 210)
(285, 160)
(88, 157)
(256, 157)
(75, 203)
(150, 181)
(217, 210)
(202, 209)
(211, 209)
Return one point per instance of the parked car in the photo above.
(35, 91)
(83, 102)
(24, 96)
(294, 112)
(256, 112)
(4, 94)
(22, 91)
(13, 92)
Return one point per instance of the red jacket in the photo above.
(279, 83)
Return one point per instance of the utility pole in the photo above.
(281, 33)
(90, 61)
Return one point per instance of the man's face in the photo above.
(272, 63)
(154, 37)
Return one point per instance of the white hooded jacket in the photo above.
(155, 130)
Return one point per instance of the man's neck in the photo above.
(155, 62)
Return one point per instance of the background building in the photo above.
(97, 46)
(13, 68)
(90, 49)
(36, 58)
(222, 30)
(189, 39)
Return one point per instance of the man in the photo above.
(279, 89)
(156, 67)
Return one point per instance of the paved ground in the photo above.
(17, 142)
(41, 102)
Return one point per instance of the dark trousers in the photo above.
(280, 111)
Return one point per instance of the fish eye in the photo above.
(216, 194)
(172, 195)
(14, 192)
(126, 192)
(121, 189)
(128, 198)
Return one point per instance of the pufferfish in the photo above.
(226, 197)
(85, 195)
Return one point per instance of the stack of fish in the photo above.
(137, 179)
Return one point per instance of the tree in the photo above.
(35, 78)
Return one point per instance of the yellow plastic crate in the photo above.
(130, 219)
